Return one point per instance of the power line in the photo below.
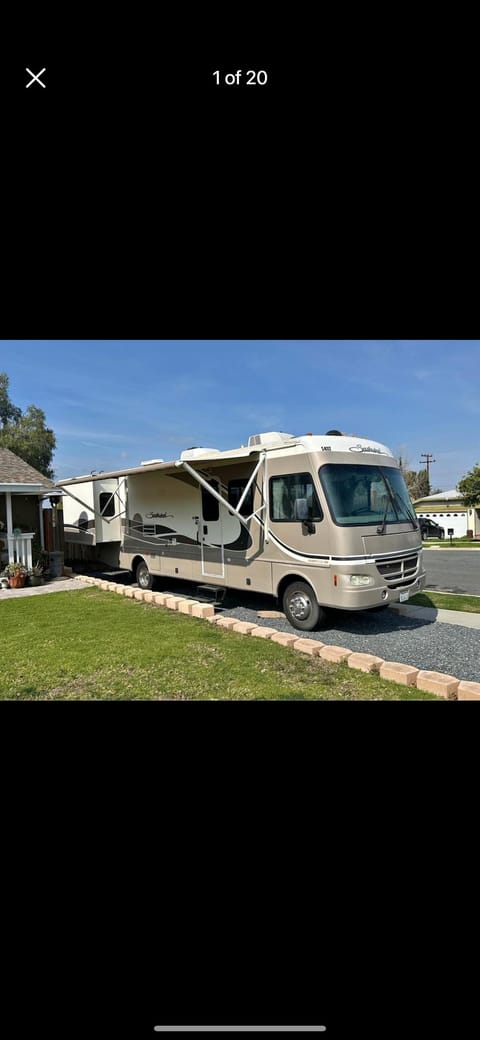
(429, 459)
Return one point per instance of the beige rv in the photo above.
(316, 521)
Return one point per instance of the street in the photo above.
(453, 570)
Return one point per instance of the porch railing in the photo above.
(20, 548)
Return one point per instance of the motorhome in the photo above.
(315, 521)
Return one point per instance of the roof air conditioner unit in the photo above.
(199, 453)
(269, 438)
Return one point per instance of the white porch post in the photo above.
(42, 533)
(8, 504)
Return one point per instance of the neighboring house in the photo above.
(449, 510)
(22, 493)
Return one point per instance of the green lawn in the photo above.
(92, 645)
(447, 601)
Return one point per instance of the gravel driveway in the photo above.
(425, 644)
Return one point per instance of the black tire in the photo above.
(301, 607)
(144, 578)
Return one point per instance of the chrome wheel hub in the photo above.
(300, 606)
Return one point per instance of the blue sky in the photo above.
(115, 403)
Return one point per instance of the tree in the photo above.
(25, 433)
(8, 412)
(417, 482)
(469, 487)
(418, 485)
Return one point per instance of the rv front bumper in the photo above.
(365, 598)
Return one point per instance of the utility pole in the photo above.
(429, 459)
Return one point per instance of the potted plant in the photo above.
(35, 575)
(43, 561)
(16, 574)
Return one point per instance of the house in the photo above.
(449, 510)
(23, 493)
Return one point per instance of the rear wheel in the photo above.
(301, 607)
(144, 578)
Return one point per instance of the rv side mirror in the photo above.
(300, 511)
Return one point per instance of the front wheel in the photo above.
(301, 607)
(144, 578)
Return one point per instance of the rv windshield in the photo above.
(361, 495)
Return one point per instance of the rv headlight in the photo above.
(360, 579)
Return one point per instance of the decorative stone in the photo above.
(308, 646)
(468, 691)
(365, 662)
(244, 627)
(284, 639)
(203, 610)
(337, 654)
(404, 674)
(270, 614)
(439, 683)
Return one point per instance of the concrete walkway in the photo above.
(449, 617)
(55, 585)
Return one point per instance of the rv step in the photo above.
(212, 593)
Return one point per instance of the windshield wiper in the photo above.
(411, 516)
(382, 528)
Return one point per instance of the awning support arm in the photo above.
(250, 482)
(90, 508)
(223, 501)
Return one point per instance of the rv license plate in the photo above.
(403, 597)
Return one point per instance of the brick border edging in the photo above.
(446, 686)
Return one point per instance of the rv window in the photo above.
(107, 504)
(235, 492)
(286, 491)
(210, 505)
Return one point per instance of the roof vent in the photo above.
(334, 433)
(269, 438)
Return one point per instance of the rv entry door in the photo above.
(211, 533)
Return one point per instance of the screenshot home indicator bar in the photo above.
(240, 1029)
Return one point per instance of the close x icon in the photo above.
(35, 78)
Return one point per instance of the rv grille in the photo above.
(399, 572)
